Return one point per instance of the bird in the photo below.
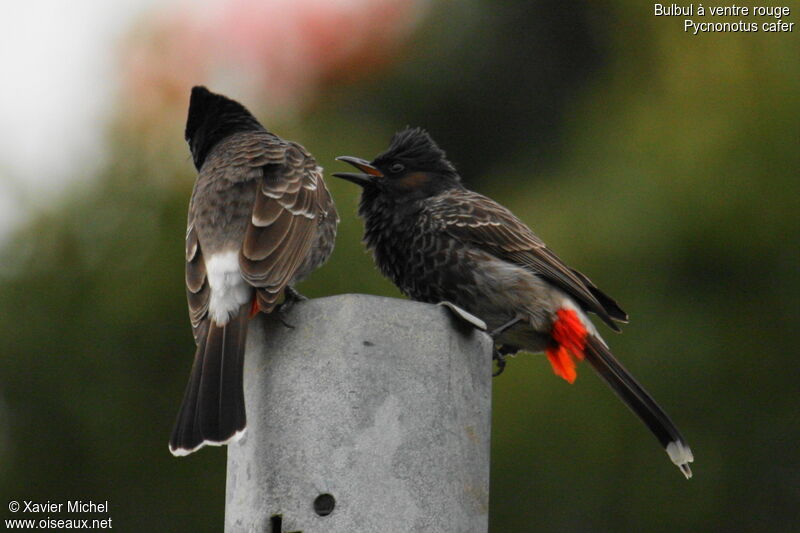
(441, 242)
(260, 220)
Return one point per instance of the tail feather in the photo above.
(640, 402)
(607, 302)
(213, 409)
(186, 435)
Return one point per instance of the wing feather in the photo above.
(197, 291)
(474, 218)
(283, 226)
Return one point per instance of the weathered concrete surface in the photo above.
(382, 403)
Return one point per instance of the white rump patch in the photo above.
(229, 291)
(183, 452)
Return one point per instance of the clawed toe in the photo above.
(501, 362)
(284, 322)
(500, 353)
(290, 297)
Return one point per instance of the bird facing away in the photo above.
(438, 241)
(260, 220)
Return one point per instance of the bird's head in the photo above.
(212, 118)
(413, 165)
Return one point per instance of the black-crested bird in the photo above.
(260, 220)
(438, 241)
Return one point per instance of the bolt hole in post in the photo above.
(276, 521)
(324, 504)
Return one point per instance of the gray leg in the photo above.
(500, 330)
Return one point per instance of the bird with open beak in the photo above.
(440, 242)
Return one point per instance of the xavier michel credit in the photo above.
(73, 506)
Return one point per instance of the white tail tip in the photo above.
(182, 452)
(681, 455)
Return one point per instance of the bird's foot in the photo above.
(501, 362)
(500, 354)
(283, 321)
(290, 297)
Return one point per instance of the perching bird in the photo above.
(260, 220)
(438, 241)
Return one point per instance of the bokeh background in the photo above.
(663, 165)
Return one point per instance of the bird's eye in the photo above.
(397, 168)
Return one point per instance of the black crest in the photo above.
(212, 118)
(415, 148)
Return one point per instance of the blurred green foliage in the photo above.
(663, 165)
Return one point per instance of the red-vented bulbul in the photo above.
(260, 220)
(438, 241)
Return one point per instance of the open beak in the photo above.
(368, 172)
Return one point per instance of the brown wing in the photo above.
(474, 218)
(197, 291)
(283, 226)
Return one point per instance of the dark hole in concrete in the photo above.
(324, 504)
(276, 521)
(367, 343)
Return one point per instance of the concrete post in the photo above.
(371, 415)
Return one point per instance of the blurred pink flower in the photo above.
(278, 53)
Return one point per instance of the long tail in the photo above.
(640, 402)
(213, 410)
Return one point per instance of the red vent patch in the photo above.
(569, 337)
